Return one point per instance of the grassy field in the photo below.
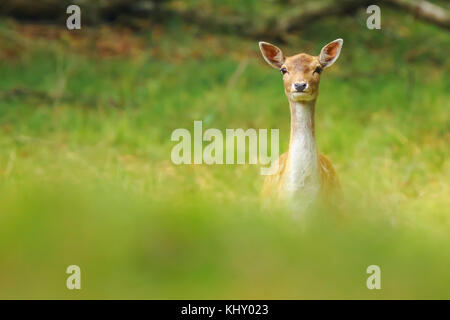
(86, 176)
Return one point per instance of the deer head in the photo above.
(301, 72)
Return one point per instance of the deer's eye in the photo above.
(283, 70)
(318, 70)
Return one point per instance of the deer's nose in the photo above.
(300, 86)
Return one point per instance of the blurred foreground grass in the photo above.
(86, 177)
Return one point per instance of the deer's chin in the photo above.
(300, 96)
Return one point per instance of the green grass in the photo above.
(86, 176)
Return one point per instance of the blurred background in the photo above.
(85, 171)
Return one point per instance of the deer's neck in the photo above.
(302, 178)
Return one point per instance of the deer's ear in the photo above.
(272, 54)
(330, 53)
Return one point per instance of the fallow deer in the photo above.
(302, 173)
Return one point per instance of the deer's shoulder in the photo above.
(328, 174)
(273, 180)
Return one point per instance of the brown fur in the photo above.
(272, 183)
(301, 68)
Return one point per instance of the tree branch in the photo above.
(424, 10)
